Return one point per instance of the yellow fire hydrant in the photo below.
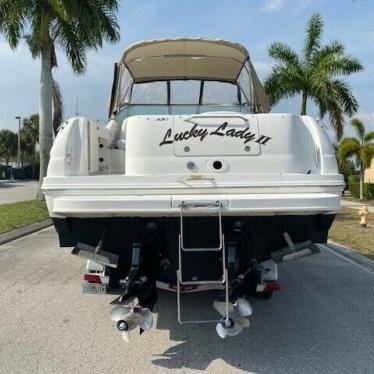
(363, 212)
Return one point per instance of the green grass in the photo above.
(16, 215)
(346, 230)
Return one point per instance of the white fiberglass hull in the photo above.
(288, 184)
(99, 196)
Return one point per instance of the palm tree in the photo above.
(361, 147)
(314, 75)
(74, 26)
(30, 135)
(8, 144)
(346, 166)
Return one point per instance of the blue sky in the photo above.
(254, 23)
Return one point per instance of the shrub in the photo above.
(354, 188)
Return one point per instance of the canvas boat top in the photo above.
(185, 59)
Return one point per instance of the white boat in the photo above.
(191, 169)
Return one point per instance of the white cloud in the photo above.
(274, 5)
(262, 68)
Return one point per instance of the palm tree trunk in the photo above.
(361, 183)
(45, 114)
(303, 104)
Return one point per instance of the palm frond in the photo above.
(325, 53)
(333, 48)
(345, 96)
(333, 65)
(359, 128)
(322, 110)
(59, 8)
(58, 107)
(13, 20)
(84, 25)
(369, 137)
(31, 126)
(73, 45)
(367, 154)
(334, 97)
(313, 35)
(283, 82)
(348, 147)
(345, 65)
(33, 45)
(283, 53)
(336, 120)
(95, 20)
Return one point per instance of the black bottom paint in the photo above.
(255, 237)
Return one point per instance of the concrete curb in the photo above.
(363, 262)
(23, 231)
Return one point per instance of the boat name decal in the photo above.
(201, 133)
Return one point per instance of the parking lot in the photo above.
(320, 322)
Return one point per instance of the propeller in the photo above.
(241, 308)
(129, 318)
(119, 312)
(147, 323)
(232, 327)
(235, 324)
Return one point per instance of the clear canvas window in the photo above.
(149, 93)
(184, 92)
(220, 93)
(245, 84)
(123, 86)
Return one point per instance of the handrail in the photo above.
(204, 116)
(123, 105)
(185, 180)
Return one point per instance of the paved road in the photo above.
(11, 192)
(321, 322)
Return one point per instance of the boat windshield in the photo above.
(183, 97)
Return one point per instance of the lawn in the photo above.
(15, 215)
(346, 230)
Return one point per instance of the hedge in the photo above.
(354, 188)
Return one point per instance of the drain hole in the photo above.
(217, 165)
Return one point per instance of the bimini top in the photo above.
(187, 58)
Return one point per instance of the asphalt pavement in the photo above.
(322, 321)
